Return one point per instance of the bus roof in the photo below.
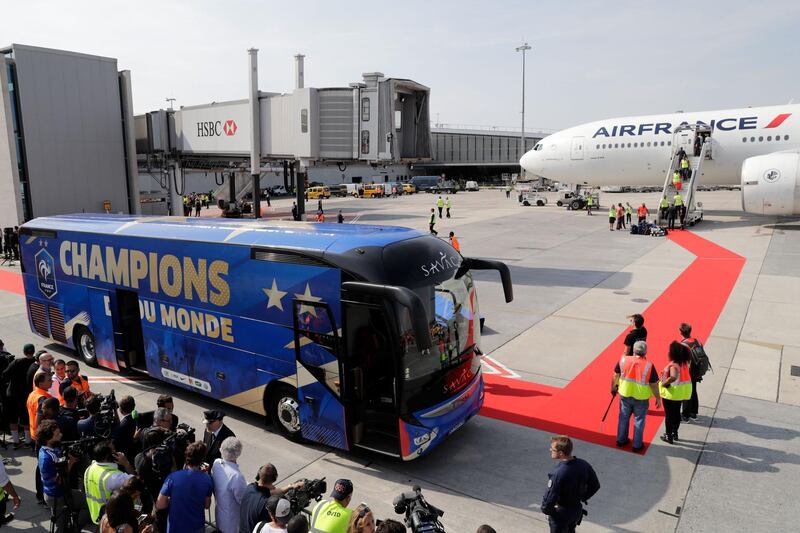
(302, 236)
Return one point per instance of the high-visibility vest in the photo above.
(81, 385)
(642, 211)
(589, 200)
(454, 243)
(680, 389)
(664, 203)
(633, 380)
(628, 210)
(33, 405)
(612, 213)
(329, 516)
(684, 163)
(676, 177)
(439, 203)
(678, 200)
(449, 203)
(94, 482)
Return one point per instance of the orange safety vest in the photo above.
(33, 406)
(681, 388)
(82, 386)
(633, 382)
(454, 244)
(642, 211)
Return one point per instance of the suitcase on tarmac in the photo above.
(634, 229)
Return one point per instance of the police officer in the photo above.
(571, 482)
(332, 516)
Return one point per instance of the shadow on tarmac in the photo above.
(559, 277)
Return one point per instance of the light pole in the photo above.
(525, 47)
(170, 100)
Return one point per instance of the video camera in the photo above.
(172, 447)
(77, 449)
(420, 516)
(107, 419)
(301, 497)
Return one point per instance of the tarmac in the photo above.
(737, 468)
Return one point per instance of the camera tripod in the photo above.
(68, 512)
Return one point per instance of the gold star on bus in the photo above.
(307, 296)
(274, 295)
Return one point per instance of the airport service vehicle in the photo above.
(351, 188)
(408, 188)
(279, 190)
(532, 198)
(471, 186)
(372, 191)
(434, 184)
(758, 147)
(339, 190)
(350, 335)
(315, 193)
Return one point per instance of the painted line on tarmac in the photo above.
(494, 367)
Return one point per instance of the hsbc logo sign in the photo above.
(216, 128)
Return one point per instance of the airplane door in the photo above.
(684, 139)
(577, 148)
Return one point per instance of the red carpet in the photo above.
(11, 282)
(697, 296)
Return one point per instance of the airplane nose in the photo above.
(528, 161)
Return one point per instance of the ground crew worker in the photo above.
(440, 205)
(571, 482)
(448, 205)
(663, 206)
(432, 222)
(690, 406)
(636, 379)
(612, 217)
(589, 203)
(41, 385)
(685, 168)
(628, 213)
(340, 217)
(508, 191)
(103, 477)
(76, 381)
(454, 242)
(620, 216)
(680, 209)
(676, 180)
(675, 387)
(642, 213)
(332, 516)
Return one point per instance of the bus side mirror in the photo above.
(486, 264)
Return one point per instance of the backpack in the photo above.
(699, 360)
(634, 229)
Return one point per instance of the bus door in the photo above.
(319, 376)
(370, 366)
(101, 303)
(128, 338)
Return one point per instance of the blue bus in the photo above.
(348, 335)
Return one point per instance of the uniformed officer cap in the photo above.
(212, 415)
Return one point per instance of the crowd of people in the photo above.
(9, 243)
(197, 201)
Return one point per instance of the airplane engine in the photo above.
(770, 184)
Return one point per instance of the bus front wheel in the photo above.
(84, 343)
(284, 410)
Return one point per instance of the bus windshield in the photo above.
(452, 308)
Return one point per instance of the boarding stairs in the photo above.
(694, 210)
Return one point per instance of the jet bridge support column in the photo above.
(255, 133)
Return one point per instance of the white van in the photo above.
(471, 186)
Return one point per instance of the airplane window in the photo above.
(662, 143)
(752, 139)
(785, 137)
(669, 143)
(744, 139)
(616, 145)
(629, 145)
(636, 145)
(604, 146)
(648, 143)
(760, 139)
(597, 147)
(769, 138)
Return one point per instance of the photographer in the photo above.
(162, 423)
(165, 401)
(61, 500)
(154, 475)
(103, 477)
(86, 427)
(229, 485)
(187, 493)
(254, 499)
(68, 415)
(280, 512)
(332, 516)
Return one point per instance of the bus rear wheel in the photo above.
(84, 344)
(284, 411)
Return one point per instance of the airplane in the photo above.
(758, 147)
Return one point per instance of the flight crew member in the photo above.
(332, 516)
(663, 206)
(698, 144)
(680, 208)
(589, 203)
(571, 482)
(636, 379)
(612, 217)
(448, 204)
(454, 242)
(432, 222)
(642, 213)
(440, 206)
(216, 432)
(676, 180)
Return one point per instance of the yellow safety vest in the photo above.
(589, 200)
(449, 203)
(612, 213)
(329, 516)
(678, 200)
(664, 203)
(633, 380)
(439, 203)
(680, 389)
(94, 482)
(628, 210)
(684, 163)
(676, 177)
